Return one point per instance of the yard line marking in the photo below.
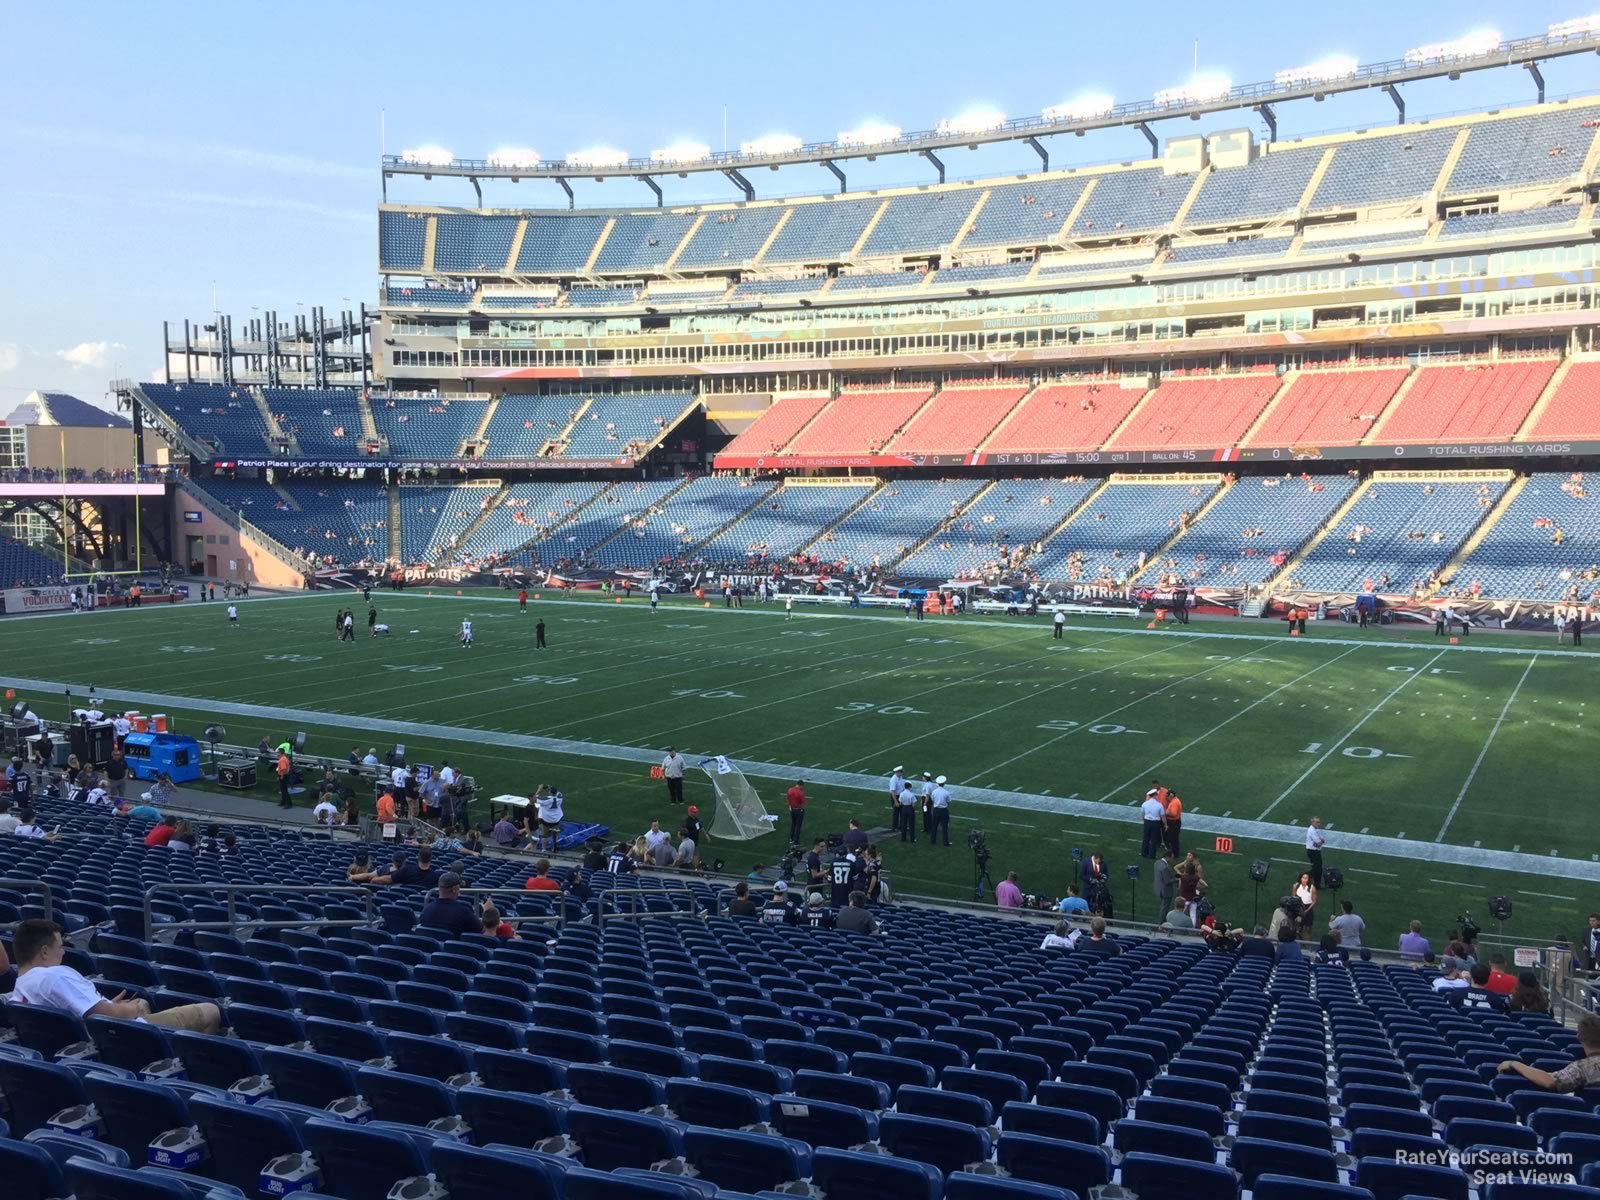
(1487, 742)
(1138, 775)
(1454, 883)
(996, 708)
(1097, 720)
(1369, 871)
(1350, 733)
(514, 747)
(1546, 895)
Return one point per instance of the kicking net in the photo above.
(739, 814)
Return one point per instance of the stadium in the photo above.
(1136, 609)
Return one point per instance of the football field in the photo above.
(1443, 774)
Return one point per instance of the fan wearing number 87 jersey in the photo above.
(846, 875)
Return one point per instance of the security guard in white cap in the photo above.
(941, 811)
(925, 802)
(897, 784)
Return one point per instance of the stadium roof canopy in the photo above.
(1313, 82)
(58, 408)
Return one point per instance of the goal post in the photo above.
(738, 815)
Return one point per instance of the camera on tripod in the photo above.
(978, 843)
(1470, 929)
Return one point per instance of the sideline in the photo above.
(1291, 835)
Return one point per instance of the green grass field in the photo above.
(1444, 774)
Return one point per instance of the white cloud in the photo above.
(8, 357)
(90, 354)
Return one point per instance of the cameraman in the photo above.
(1094, 879)
(1006, 893)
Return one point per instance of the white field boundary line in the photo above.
(1258, 830)
(1032, 696)
(1224, 724)
(1484, 753)
(1350, 733)
(774, 612)
(918, 696)
(990, 772)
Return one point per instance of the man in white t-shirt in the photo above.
(233, 614)
(447, 773)
(397, 779)
(1315, 840)
(8, 820)
(44, 980)
(122, 727)
(324, 813)
(655, 835)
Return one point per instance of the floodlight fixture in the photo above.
(1084, 108)
(771, 143)
(981, 120)
(428, 156)
(514, 156)
(1334, 66)
(1199, 90)
(598, 156)
(870, 134)
(681, 152)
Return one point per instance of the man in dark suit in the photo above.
(1587, 948)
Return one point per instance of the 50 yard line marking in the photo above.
(1482, 754)
(1184, 749)
(1350, 733)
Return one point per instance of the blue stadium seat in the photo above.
(1161, 1177)
(1046, 1160)
(634, 1184)
(1285, 1187)
(663, 1060)
(823, 1122)
(611, 1140)
(35, 1091)
(433, 1057)
(136, 1114)
(613, 1087)
(755, 1076)
(529, 1073)
(1540, 1191)
(748, 1162)
(218, 1061)
(998, 1088)
(946, 1105)
(91, 1180)
(1390, 1180)
(853, 1175)
(1165, 1111)
(1253, 1156)
(30, 1172)
(496, 1171)
(265, 1025)
(405, 1099)
(869, 1094)
(964, 1185)
(1103, 1104)
(1369, 1116)
(1274, 1127)
(717, 1105)
(243, 1138)
(305, 1078)
(947, 1146)
(1168, 1141)
(362, 1162)
(1465, 1133)
(514, 1119)
(47, 1030)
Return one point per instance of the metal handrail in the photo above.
(635, 911)
(234, 890)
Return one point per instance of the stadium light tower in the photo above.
(1084, 108)
(597, 156)
(771, 143)
(870, 134)
(980, 120)
(681, 152)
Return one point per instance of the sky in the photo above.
(161, 159)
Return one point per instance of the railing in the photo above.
(235, 890)
(636, 910)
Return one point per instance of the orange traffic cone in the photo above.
(1455, 641)
(1294, 633)
(538, 595)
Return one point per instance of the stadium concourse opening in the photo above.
(983, 688)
